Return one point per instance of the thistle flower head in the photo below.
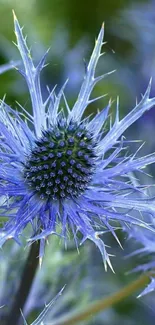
(62, 162)
(59, 167)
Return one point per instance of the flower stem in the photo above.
(105, 303)
(25, 285)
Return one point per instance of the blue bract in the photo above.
(58, 167)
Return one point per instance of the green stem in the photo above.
(25, 285)
(105, 303)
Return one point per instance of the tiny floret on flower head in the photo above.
(59, 167)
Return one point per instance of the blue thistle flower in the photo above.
(58, 167)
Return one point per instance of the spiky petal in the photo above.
(40, 319)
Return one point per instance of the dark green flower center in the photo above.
(62, 163)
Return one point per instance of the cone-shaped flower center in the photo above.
(62, 163)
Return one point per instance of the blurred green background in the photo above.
(70, 28)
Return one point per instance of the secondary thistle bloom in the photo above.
(58, 167)
(145, 238)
